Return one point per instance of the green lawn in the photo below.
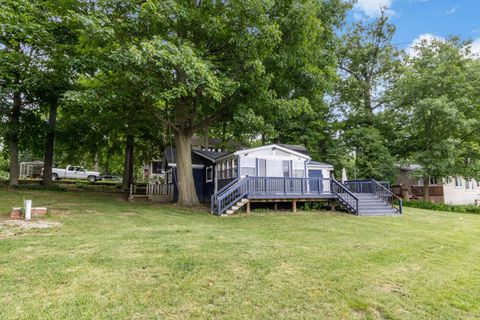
(115, 260)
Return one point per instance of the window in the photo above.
(458, 182)
(209, 174)
(469, 184)
(286, 168)
(478, 183)
(448, 180)
(228, 169)
(298, 169)
(433, 181)
(169, 176)
(234, 168)
(262, 167)
(248, 166)
(71, 168)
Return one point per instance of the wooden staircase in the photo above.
(237, 206)
(369, 204)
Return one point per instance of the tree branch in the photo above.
(207, 120)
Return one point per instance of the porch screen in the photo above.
(262, 167)
(286, 168)
(248, 166)
(298, 169)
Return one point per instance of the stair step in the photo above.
(379, 214)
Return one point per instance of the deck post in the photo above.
(302, 188)
(248, 207)
(275, 206)
(284, 185)
(294, 206)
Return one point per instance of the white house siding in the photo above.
(274, 163)
(461, 195)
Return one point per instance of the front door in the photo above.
(316, 187)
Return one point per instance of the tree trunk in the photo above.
(205, 139)
(187, 194)
(50, 145)
(13, 139)
(128, 163)
(426, 188)
(96, 166)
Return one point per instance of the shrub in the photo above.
(441, 206)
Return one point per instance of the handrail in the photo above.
(346, 200)
(228, 185)
(222, 191)
(390, 197)
(236, 191)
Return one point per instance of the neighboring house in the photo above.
(451, 190)
(213, 170)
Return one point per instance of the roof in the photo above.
(171, 155)
(277, 146)
(317, 163)
(295, 147)
(213, 155)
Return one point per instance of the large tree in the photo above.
(199, 62)
(438, 99)
(21, 47)
(368, 64)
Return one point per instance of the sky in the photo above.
(418, 19)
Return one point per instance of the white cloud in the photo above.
(453, 9)
(373, 8)
(428, 37)
(475, 47)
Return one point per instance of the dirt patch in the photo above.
(11, 228)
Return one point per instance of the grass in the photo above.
(115, 260)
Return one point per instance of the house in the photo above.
(450, 190)
(270, 174)
(213, 170)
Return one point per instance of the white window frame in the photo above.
(469, 184)
(458, 182)
(228, 165)
(210, 168)
(234, 168)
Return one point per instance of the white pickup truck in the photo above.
(75, 172)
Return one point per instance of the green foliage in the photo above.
(368, 65)
(439, 103)
(441, 206)
(372, 159)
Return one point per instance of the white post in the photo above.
(27, 205)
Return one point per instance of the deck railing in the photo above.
(345, 196)
(387, 195)
(266, 187)
(380, 188)
(364, 186)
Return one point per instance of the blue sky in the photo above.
(427, 18)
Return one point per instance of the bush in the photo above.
(441, 206)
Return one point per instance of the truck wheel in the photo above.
(54, 177)
(92, 178)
